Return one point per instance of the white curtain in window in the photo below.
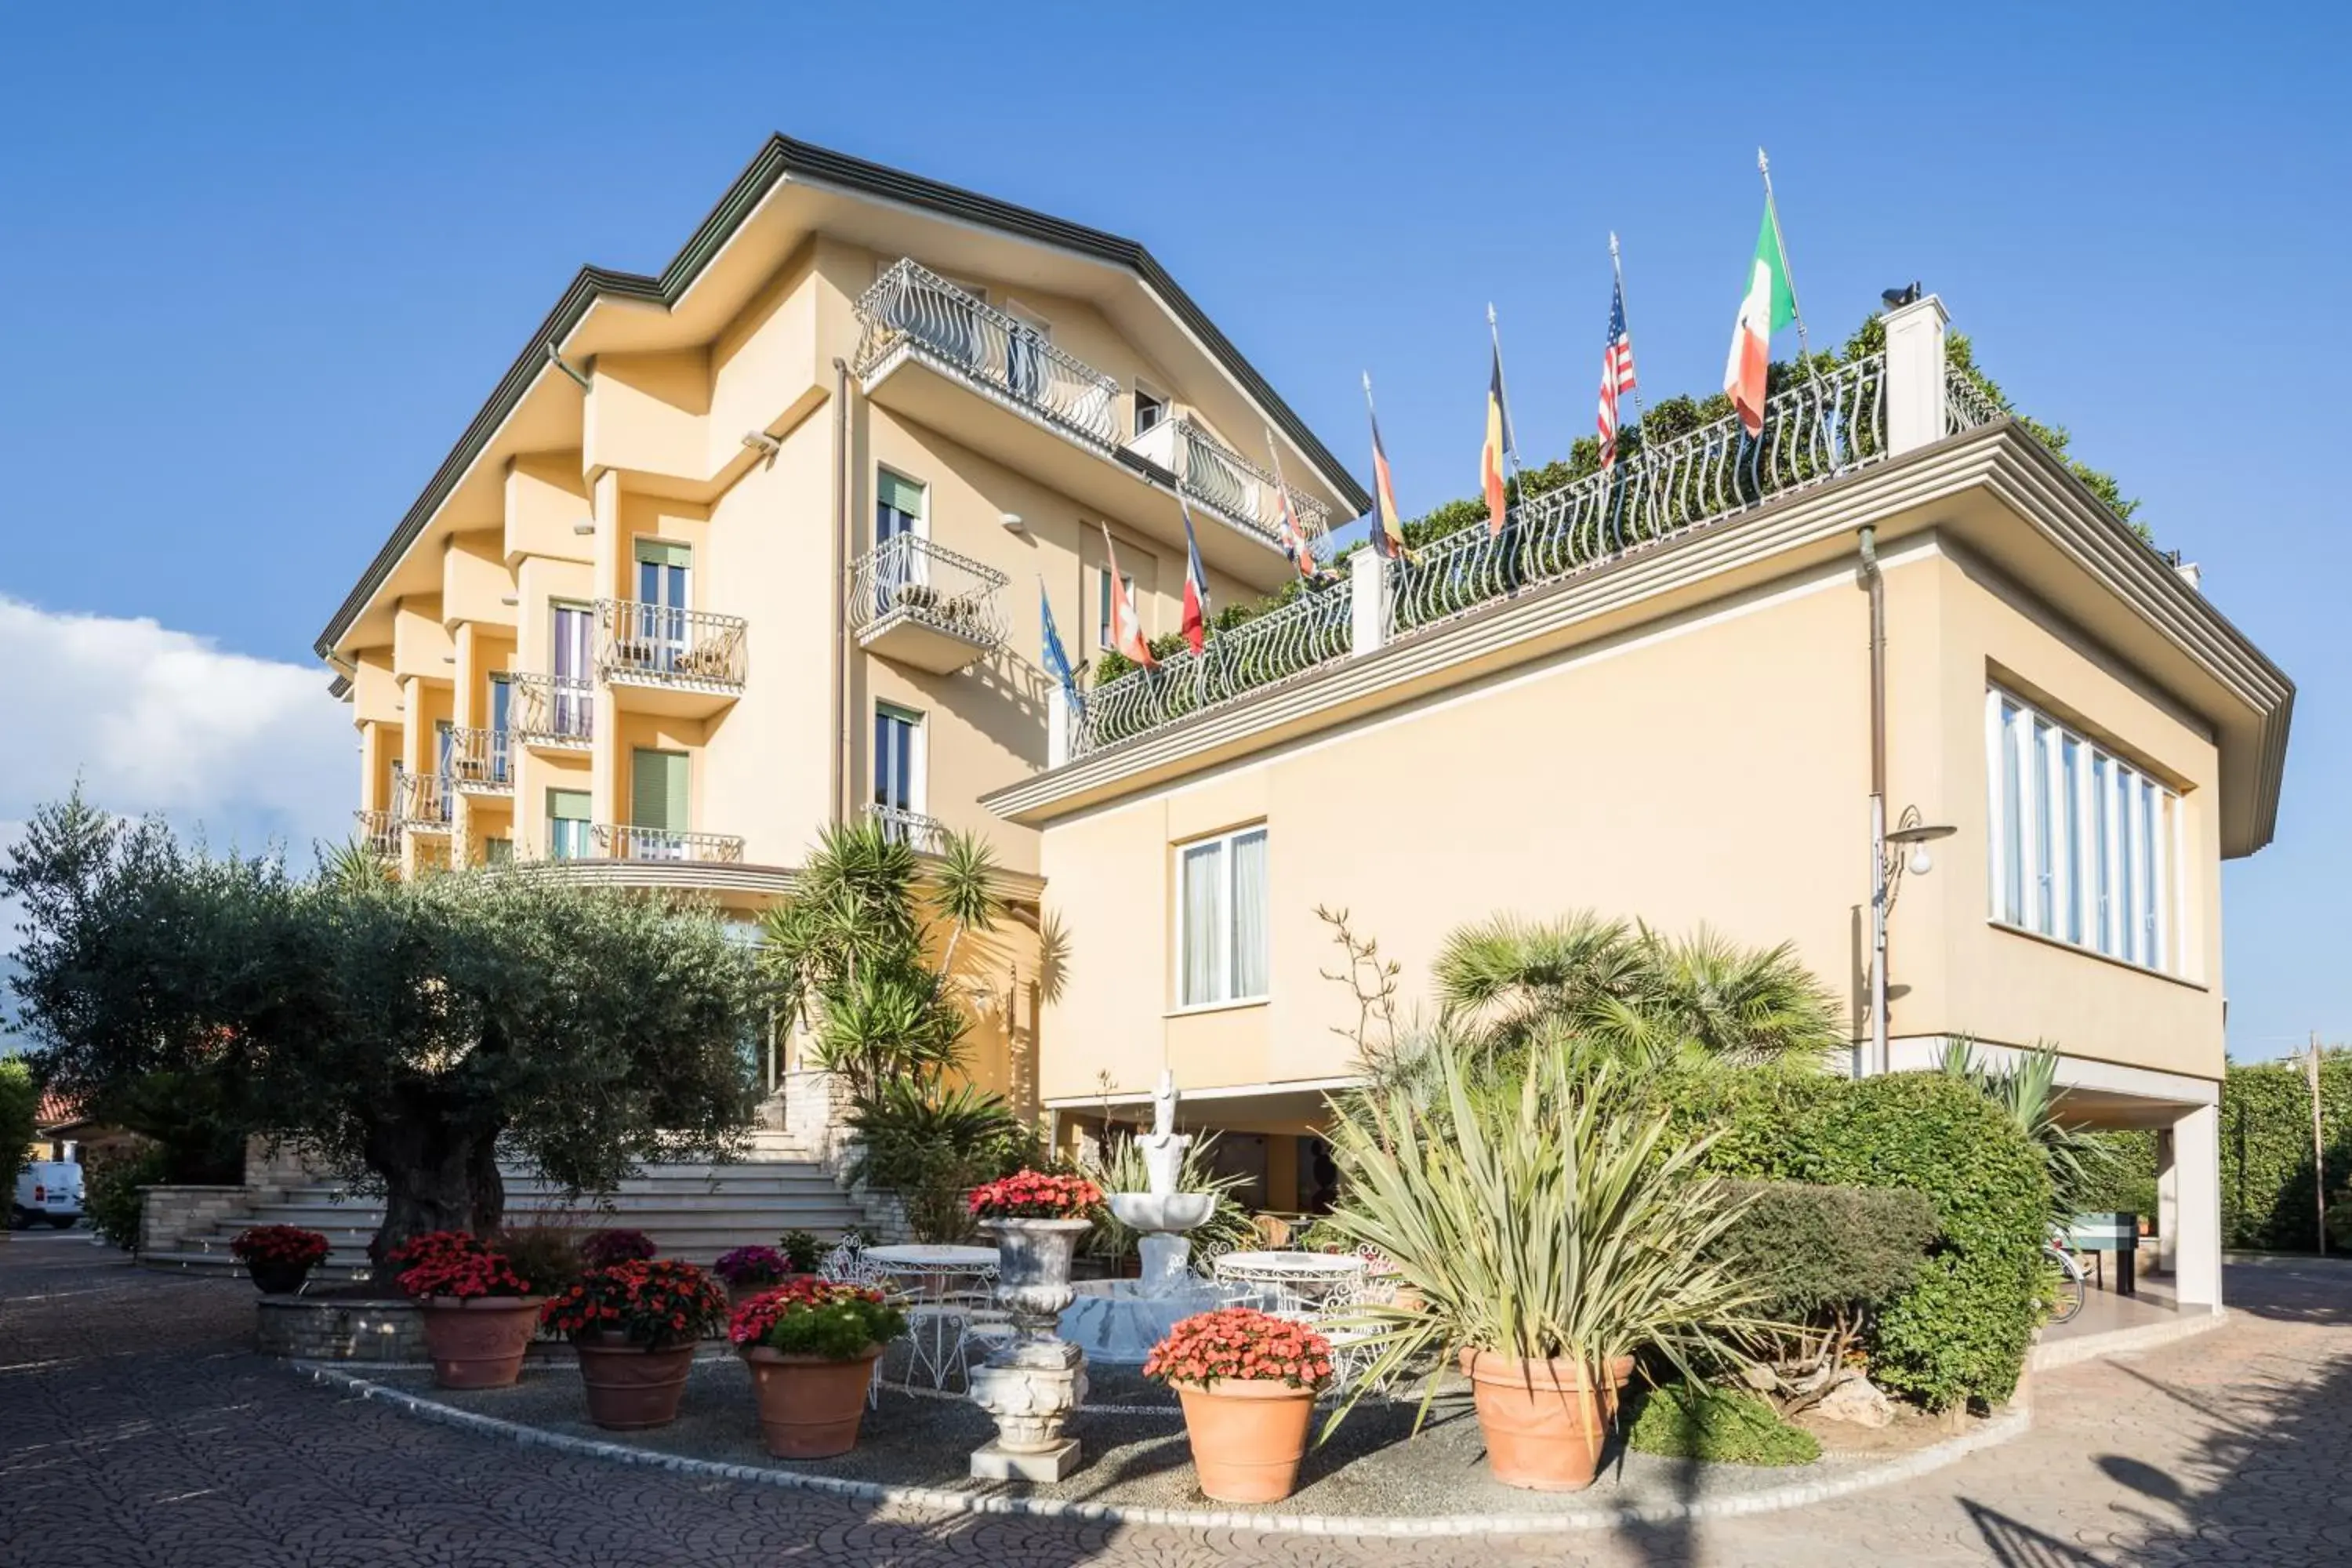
(1204, 921)
(1249, 968)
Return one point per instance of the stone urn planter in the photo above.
(632, 1387)
(1030, 1383)
(1545, 1422)
(1247, 1381)
(479, 1342)
(811, 1406)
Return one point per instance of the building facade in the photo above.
(756, 545)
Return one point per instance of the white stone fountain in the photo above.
(1117, 1322)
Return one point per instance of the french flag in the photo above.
(1196, 586)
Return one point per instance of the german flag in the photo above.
(1498, 441)
(1388, 528)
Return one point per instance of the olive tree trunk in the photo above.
(439, 1173)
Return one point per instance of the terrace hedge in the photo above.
(1958, 1332)
(2267, 1198)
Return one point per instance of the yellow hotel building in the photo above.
(755, 545)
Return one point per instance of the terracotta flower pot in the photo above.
(1544, 1422)
(478, 1344)
(810, 1406)
(632, 1387)
(1247, 1436)
(273, 1278)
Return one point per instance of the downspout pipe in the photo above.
(839, 662)
(1875, 582)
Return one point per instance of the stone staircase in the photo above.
(692, 1210)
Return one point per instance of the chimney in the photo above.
(1915, 374)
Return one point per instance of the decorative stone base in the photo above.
(992, 1462)
(302, 1328)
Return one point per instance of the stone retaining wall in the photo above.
(304, 1329)
(170, 1217)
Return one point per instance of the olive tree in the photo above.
(410, 1032)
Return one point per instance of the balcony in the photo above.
(1213, 476)
(608, 841)
(553, 711)
(425, 802)
(912, 312)
(479, 764)
(912, 828)
(925, 605)
(377, 833)
(687, 664)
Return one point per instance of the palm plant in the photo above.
(2078, 1160)
(1537, 1222)
(1706, 994)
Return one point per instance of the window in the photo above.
(567, 824)
(1151, 408)
(573, 696)
(498, 852)
(501, 719)
(665, 576)
(2084, 843)
(897, 759)
(898, 514)
(658, 803)
(1221, 917)
(1102, 626)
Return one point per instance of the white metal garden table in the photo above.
(950, 1289)
(1297, 1282)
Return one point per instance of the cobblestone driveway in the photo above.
(136, 1429)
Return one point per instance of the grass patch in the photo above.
(1721, 1426)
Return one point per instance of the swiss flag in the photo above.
(1196, 586)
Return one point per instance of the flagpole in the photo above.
(1282, 499)
(1617, 271)
(1772, 211)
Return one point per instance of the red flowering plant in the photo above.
(749, 1265)
(456, 1263)
(1243, 1343)
(817, 1317)
(280, 1246)
(603, 1248)
(1036, 1194)
(658, 1304)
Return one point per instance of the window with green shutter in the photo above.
(657, 790)
(567, 824)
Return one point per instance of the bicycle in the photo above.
(2065, 1289)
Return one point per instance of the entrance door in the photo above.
(573, 704)
(898, 523)
(663, 572)
(501, 716)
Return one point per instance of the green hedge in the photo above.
(1817, 1251)
(2267, 1201)
(20, 1100)
(1961, 1331)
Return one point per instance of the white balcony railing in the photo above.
(378, 833)
(608, 841)
(552, 711)
(912, 308)
(1215, 476)
(1309, 632)
(914, 579)
(478, 760)
(425, 802)
(912, 828)
(664, 645)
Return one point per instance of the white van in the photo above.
(47, 1190)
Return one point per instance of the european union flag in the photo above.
(1058, 658)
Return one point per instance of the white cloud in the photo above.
(152, 720)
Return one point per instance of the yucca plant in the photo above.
(2079, 1162)
(1537, 1221)
(1120, 1168)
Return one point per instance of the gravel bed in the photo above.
(1373, 1465)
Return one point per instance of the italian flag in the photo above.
(1769, 306)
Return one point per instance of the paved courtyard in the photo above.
(137, 1428)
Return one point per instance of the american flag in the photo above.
(1616, 374)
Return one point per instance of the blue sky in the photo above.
(258, 266)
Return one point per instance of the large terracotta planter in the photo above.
(632, 1387)
(478, 1344)
(1247, 1436)
(810, 1406)
(1544, 1422)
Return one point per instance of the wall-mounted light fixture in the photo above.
(1011, 521)
(1907, 848)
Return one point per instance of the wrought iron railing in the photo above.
(378, 833)
(1310, 631)
(910, 306)
(1966, 405)
(912, 577)
(479, 759)
(1812, 431)
(608, 841)
(663, 644)
(425, 800)
(553, 711)
(1217, 475)
(912, 828)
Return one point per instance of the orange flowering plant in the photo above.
(1036, 1194)
(657, 1304)
(1243, 1343)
